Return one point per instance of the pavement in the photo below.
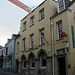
(2, 72)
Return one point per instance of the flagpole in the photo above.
(43, 35)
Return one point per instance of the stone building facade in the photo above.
(40, 43)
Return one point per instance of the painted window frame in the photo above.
(17, 47)
(6, 50)
(61, 5)
(24, 25)
(32, 20)
(23, 63)
(41, 61)
(42, 40)
(32, 61)
(32, 41)
(59, 31)
(24, 44)
(42, 14)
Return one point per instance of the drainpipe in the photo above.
(52, 45)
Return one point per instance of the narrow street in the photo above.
(2, 72)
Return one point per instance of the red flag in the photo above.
(42, 35)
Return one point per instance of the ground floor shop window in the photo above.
(43, 60)
(32, 62)
(23, 62)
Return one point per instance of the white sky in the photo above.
(10, 16)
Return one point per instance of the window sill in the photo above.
(24, 30)
(17, 53)
(60, 39)
(31, 25)
(42, 67)
(23, 51)
(41, 18)
(31, 48)
(42, 44)
(23, 68)
(32, 68)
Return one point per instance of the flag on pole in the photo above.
(43, 35)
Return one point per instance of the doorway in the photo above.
(17, 65)
(61, 66)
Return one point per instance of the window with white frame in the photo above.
(10, 49)
(60, 29)
(42, 37)
(17, 47)
(24, 26)
(42, 13)
(6, 50)
(23, 63)
(61, 5)
(24, 44)
(32, 41)
(32, 62)
(43, 60)
(32, 20)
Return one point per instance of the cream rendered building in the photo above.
(64, 47)
(37, 40)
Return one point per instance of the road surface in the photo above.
(2, 72)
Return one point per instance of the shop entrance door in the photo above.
(61, 66)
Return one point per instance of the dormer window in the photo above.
(61, 5)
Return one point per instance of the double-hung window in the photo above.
(32, 41)
(17, 47)
(6, 50)
(24, 26)
(32, 62)
(61, 5)
(43, 60)
(24, 44)
(42, 13)
(60, 29)
(23, 63)
(32, 20)
(42, 37)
